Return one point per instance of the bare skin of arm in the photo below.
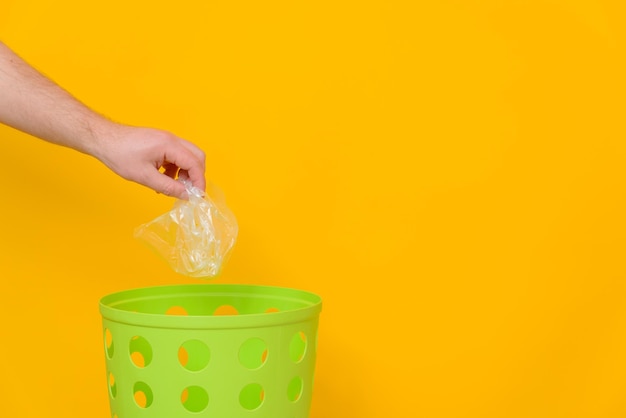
(32, 103)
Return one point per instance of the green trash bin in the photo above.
(218, 351)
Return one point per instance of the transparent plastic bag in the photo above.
(196, 236)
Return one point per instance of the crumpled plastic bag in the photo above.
(196, 236)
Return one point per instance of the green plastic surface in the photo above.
(218, 351)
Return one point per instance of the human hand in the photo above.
(151, 157)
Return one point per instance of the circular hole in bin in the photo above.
(253, 353)
(112, 386)
(194, 355)
(140, 351)
(109, 347)
(176, 310)
(294, 390)
(194, 399)
(225, 310)
(142, 395)
(297, 347)
(271, 310)
(251, 396)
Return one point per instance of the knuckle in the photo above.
(167, 189)
(170, 189)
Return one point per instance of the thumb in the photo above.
(166, 185)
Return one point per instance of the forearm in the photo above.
(32, 103)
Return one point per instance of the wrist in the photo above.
(101, 136)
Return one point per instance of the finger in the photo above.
(187, 161)
(161, 183)
(195, 150)
(196, 175)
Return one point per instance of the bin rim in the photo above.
(260, 320)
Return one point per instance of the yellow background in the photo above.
(448, 175)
